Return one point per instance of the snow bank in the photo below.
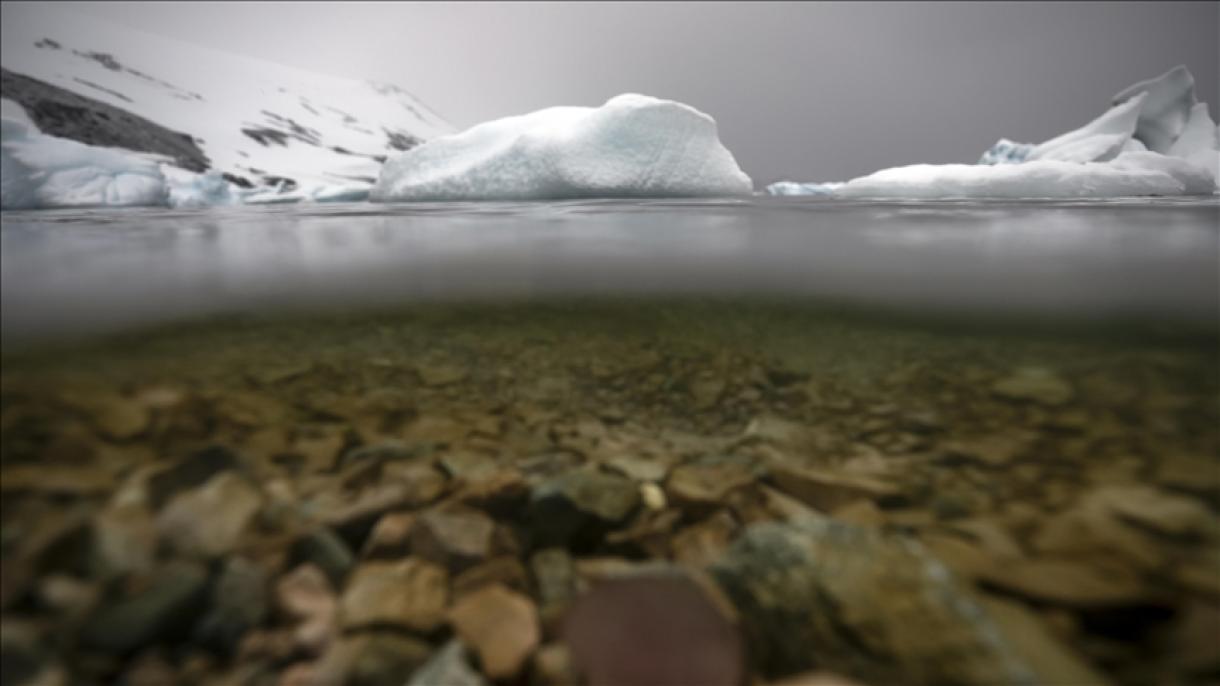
(633, 145)
(40, 171)
(1154, 140)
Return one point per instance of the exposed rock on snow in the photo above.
(45, 171)
(104, 84)
(64, 114)
(632, 146)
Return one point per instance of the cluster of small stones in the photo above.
(604, 512)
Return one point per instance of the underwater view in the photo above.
(634, 344)
(896, 441)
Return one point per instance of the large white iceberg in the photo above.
(633, 146)
(40, 171)
(1155, 140)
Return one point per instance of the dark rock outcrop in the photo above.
(62, 113)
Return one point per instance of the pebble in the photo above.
(501, 626)
(1035, 384)
(410, 593)
(210, 521)
(452, 538)
(168, 606)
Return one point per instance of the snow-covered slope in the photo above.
(252, 119)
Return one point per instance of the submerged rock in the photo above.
(454, 538)
(502, 627)
(448, 667)
(370, 659)
(827, 594)
(1035, 384)
(578, 506)
(654, 626)
(410, 593)
(167, 607)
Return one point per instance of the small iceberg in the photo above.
(1155, 140)
(632, 146)
(40, 171)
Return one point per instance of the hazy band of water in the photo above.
(103, 270)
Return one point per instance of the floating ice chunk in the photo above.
(1130, 174)
(1100, 140)
(190, 190)
(1166, 110)
(1199, 141)
(341, 193)
(633, 146)
(1006, 152)
(41, 171)
(794, 188)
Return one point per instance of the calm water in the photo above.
(1027, 389)
(101, 270)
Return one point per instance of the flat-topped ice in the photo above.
(1129, 174)
(632, 146)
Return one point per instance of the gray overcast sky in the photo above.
(807, 91)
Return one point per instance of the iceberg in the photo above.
(1166, 109)
(188, 190)
(1155, 140)
(1098, 141)
(1129, 174)
(40, 171)
(794, 188)
(353, 192)
(632, 146)
(1006, 152)
(1199, 141)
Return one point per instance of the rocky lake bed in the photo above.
(609, 494)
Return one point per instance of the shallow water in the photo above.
(100, 270)
(1030, 390)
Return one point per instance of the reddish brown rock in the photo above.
(501, 626)
(455, 538)
(210, 520)
(701, 486)
(505, 570)
(389, 537)
(305, 596)
(827, 491)
(411, 593)
(653, 628)
(702, 543)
